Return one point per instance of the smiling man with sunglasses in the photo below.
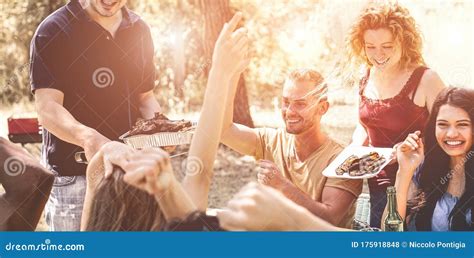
(291, 160)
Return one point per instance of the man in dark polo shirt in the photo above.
(93, 75)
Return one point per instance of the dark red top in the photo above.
(389, 121)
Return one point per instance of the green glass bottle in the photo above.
(393, 222)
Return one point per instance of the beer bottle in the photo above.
(393, 221)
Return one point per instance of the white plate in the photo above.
(359, 151)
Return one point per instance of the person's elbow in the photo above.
(45, 103)
(335, 219)
(332, 216)
(41, 110)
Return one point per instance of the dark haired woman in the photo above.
(441, 191)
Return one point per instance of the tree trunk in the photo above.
(215, 13)
(179, 59)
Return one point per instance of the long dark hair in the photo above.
(118, 206)
(435, 174)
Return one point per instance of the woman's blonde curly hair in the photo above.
(397, 19)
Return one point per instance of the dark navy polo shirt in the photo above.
(101, 76)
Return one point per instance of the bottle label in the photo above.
(394, 227)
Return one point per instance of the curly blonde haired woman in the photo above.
(398, 90)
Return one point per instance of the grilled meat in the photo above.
(159, 123)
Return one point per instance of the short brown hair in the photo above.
(307, 75)
(310, 75)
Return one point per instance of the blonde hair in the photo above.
(398, 21)
(306, 75)
(310, 75)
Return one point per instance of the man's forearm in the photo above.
(149, 105)
(301, 198)
(306, 221)
(58, 121)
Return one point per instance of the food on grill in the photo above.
(355, 166)
(158, 124)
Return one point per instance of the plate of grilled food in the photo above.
(359, 162)
(159, 132)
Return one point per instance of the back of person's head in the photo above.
(118, 206)
(435, 174)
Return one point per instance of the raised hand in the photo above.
(410, 154)
(232, 48)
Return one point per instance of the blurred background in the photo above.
(285, 35)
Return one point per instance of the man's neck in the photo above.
(111, 23)
(308, 142)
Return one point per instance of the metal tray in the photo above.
(158, 139)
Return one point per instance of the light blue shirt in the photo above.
(444, 206)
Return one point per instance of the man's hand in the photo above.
(270, 175)
(115, 153)
(92, 143)
(149, 170)
(258, 207)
